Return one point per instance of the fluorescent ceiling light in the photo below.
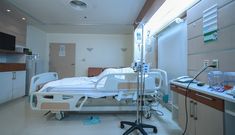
(167, 13)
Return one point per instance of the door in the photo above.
(62, 59)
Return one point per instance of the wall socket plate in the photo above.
(216, 63)
(206, 63)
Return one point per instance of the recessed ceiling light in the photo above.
(78, 5)
(23, 18)
(8, 10)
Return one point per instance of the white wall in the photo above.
(172, 50)
(36, 40)
(222, 49)
(106, 50)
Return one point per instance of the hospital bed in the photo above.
(112, 90)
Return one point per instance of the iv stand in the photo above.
(140, 93)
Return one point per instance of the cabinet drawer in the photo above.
(208, 100)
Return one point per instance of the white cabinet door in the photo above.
(6, 86)
(182, 115)
(18, 84)
(209, 120)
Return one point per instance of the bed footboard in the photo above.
(57, 101)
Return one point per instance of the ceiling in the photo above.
(100, 16)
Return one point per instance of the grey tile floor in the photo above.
(16, 118)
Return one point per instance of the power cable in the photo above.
(186, 95)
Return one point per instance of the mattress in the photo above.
(85, 85)
(79, 85)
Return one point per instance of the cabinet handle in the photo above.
(195, 111)
(190, 109)
(202, 96)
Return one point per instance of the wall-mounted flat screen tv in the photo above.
(7, 42)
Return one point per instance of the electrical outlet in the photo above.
(206, 63)
(216, 63)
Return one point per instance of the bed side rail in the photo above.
(153, 81)
(165, 85)
(111, 81)
(41, 79)
(128, 81)
(57, 101)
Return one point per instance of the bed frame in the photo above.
(57, 102)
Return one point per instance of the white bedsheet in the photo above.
(74, 83)
(78, 85)
(84, 85)
(81, 83)
(85, 82)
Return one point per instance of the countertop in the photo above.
(206, 90)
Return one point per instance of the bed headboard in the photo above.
(94, 71)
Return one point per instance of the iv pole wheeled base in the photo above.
(135, 125)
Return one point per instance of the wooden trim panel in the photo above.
(128, 85)
(4, 67)
(55, 106)
(9, 52)
(178, 89)
(207, 100)
(148, 10)
(147, 5)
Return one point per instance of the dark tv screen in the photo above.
(7, 42)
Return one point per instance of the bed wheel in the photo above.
(121, 126)
(59, 116)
